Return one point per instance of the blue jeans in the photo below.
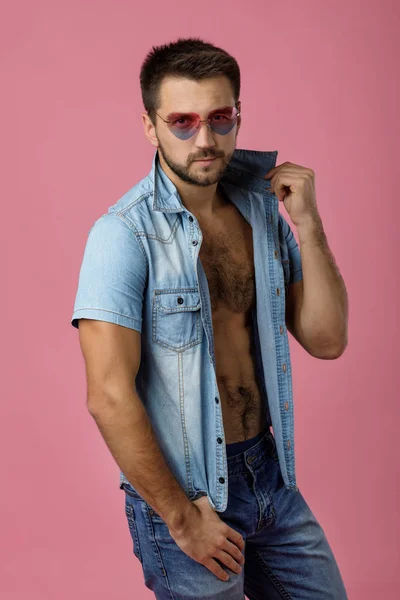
(287, 555)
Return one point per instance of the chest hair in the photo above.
(227, 259)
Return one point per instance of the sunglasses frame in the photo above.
(199, 121)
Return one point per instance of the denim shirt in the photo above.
(141, 269)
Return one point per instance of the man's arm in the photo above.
(317, 305)
(112, 356)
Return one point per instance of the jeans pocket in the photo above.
(131, 492)
(130, 515)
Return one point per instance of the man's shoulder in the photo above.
(135, 199)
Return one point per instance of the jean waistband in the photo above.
(260, 448)
(240, 447)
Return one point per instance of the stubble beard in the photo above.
(203, 179)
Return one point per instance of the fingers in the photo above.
(216, 569)
(235, 537)
(234, 551)
(230, 556)
(228, 561)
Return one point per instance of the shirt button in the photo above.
(284, 368)
(286, 405)
(278, 292)
(219, 440)
(250, 459)
(180, 300)
(221, 480)
(281, 329)
(191, 218)
(217, 400)
(195, 242)
(276, 253)
(288, 444)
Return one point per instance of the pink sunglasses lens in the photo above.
(186, 125)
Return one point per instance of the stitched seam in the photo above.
(156, 315)
(160, 561)
(141, 198)
(189, 482)
(129, 510)
(132, 228)
(267, 570)
(107, 310)
(169, 240)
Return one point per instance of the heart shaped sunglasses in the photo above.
(184, 125)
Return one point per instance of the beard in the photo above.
(206, 175)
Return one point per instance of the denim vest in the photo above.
(141, 269)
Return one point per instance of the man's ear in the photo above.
(239, 108)
(149, 130)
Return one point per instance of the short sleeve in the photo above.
(296, 272)
(112, 276)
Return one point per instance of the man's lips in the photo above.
(207, 159)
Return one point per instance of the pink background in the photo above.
(318, 85)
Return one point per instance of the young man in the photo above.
(187, 288)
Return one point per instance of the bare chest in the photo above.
(226, 255)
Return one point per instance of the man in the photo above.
(186, 288)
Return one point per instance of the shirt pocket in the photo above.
(176, 318)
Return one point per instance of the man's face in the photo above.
(180, 95)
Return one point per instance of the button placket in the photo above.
(219, 441)
(281, 331)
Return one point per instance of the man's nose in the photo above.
(204, 136)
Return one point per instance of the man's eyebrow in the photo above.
(176, 115)
(222, 109)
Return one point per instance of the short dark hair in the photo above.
(187, 57)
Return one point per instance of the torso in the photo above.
(226, 255)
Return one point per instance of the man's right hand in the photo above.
(205, 538)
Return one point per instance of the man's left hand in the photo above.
(294, 186)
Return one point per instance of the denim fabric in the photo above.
(287, 555)
(141, 269)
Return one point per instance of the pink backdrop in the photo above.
(323, 77)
